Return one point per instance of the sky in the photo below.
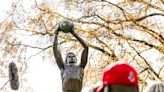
(44, 76)
(4, 6)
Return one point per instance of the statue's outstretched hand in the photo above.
(72, 32)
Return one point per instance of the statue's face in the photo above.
(71, 58)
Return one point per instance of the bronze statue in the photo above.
(71, 73)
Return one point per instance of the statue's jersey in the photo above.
(72, 78)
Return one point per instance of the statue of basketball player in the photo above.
(71, 73)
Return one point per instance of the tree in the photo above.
(128, 30)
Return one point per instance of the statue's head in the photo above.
(71, 58)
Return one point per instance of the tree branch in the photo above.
(161, 49)
(160, 70)
(148, 65)
(162, 1)
(4, 84)
(35, 47)
(154, 34)
(103, 51)
(150, 15)
(106, 1)
(152, 6)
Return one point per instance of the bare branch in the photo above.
(35, 47)
(162, 1)
(152, 33)
(106, 1)
(103, 51)
(4, 84)
(161, 49)
(152, 6)
(160, 70)
(148, 65)
(150, 15)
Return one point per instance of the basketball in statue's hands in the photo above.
(66, 26)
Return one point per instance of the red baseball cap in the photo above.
(120, 73)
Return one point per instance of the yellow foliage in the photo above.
(8, 26)
(47, 10)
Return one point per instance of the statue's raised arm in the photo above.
(84, 57)
(56, 51)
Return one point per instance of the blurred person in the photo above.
(120, 77)
(155, 87)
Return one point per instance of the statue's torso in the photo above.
(72, 78)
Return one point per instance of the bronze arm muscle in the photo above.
(56, 51)
(84, 57)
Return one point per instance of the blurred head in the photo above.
(71, 58)
(156, 87)
(120, 77)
